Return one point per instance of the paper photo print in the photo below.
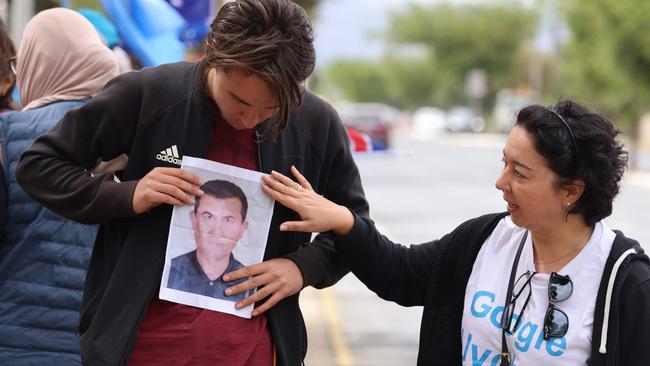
(225, 230)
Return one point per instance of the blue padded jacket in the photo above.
(43, 258)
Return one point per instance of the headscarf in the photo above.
(61, 57)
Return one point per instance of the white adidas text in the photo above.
(170, 155)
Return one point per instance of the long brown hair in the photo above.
(272, 39)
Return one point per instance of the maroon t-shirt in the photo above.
(176, 334)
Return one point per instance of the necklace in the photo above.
(558, 259)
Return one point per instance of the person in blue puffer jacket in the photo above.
(61, 63)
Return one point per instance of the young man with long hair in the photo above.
(244, 104)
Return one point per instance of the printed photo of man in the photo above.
(219, 222)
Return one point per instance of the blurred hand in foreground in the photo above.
(318, 214)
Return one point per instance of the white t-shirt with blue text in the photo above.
(486, 291)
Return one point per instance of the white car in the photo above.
(428, 121)
(460, 119)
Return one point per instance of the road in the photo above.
(433, 185)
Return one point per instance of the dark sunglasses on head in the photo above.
(556, 321)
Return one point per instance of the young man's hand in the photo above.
(172, 186)
(280, 277)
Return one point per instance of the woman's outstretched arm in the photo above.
(395, 272)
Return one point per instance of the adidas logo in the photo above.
(170, 155)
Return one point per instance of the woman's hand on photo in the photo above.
(318, 214)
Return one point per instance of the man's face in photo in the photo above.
(218, 225)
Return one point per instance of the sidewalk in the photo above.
(322, 321)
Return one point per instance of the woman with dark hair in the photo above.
(545, 283)
(7, 69)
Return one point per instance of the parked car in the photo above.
(463, 119)
(428, 121)
(373, 119)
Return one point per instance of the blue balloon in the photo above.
(149, 29)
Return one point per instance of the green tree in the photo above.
(360, 81)
(449, 40)
(309, 5)
(460, 38)
(411, 82)
(607, 62)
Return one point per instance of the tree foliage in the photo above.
(607, 61)
(461, 38)
(361, 81)
(410, 82)
(309, 6)
(454, 39)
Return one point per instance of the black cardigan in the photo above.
(435, 274)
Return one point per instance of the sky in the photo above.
(342, 28)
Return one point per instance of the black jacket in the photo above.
(435, 274)
(140, 114)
